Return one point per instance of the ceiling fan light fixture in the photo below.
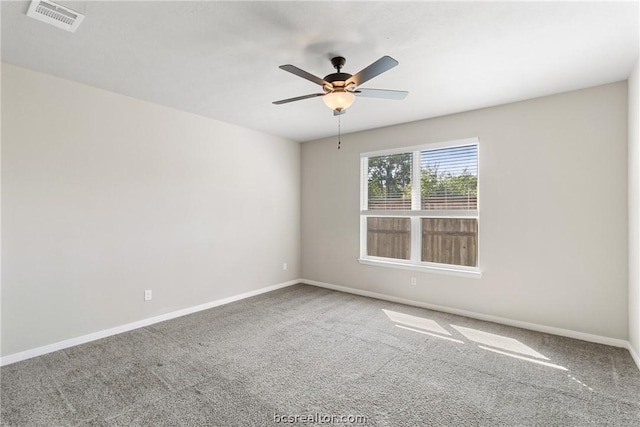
(339, 100)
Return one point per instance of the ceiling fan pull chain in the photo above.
(339, 131)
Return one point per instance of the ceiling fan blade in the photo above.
(302, 73)
(380, 66)
(297, 98)
(381, 93)
(339, 113)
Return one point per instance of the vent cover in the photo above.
(56, 15)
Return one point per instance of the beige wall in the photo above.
(634, 212)
(104, 196)
(553, 221)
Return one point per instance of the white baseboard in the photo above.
(510, 322)
(634, 355)
(39, 351)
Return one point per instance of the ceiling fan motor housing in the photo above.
(338, 79)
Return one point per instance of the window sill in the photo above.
(474, 274)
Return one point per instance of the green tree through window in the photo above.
(390, 176)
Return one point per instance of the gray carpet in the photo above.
(306, 351)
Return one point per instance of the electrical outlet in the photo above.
(147, 295)
(284, 265)
(413, 281)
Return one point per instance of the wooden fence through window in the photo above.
(451, 241)
(389, 237)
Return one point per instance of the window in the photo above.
(419, 207)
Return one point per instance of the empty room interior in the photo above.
(320, 213)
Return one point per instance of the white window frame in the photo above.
(415, 214)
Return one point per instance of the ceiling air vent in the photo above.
(56, 15)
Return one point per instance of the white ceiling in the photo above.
(220, 59)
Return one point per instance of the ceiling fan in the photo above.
(340, 89)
